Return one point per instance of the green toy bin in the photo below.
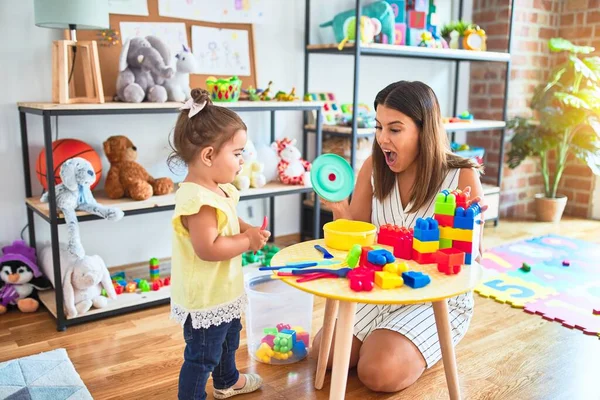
(278, 320)
(224, 90)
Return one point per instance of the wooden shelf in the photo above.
(378, 49)
(162, 203)
(123, 303)
(475, 125)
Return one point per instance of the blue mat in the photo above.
(44, 376)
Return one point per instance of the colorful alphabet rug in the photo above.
(552, 276)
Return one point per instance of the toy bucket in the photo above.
(278, 320)
(342, 234)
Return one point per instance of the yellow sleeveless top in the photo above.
(209, 292)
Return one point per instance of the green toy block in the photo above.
(283, 342)
(354, 256)
(103, 293)
(271, 331)
(445, 204)
(144, 285)
(154, 262)
(445, 243)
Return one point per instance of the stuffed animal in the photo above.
(178, 87)
(369, 28)
(251, 174)
(293, 170)
(269, 158)
(20, 277)
(143, 70)
(82, 280)
(74, 194)
(127, 178)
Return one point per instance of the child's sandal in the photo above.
(253, 382)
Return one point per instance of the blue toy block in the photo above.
(118, 276)
(122, 282)
(465, 219)
(380, 257)
(427, 230)
(416, 279)
(468, 258)
(299, 349)
(290, 332)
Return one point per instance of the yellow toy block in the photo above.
(396, 268)
(388, 280)
(426, 247)
(264, 353)
(462, 235)
(281, 356)
(297, 329)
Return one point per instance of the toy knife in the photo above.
(326, 254)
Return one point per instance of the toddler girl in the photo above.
(207, 284)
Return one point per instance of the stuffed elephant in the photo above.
(82, 280)
(143, 70)
(178, 87)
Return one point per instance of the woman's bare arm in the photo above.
(360, 206)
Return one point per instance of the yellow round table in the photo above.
(342, 300)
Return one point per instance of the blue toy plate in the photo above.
(332, 177)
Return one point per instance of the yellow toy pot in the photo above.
(342, 234)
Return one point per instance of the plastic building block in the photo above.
(103, 293)
(464, 235)
(167, 281)
(399, 238)
(416, 279)
(468, 258)
(156, 285)
(465, 218)
(268, 340)
(449, 269)
(424, 258)
(303, 337)
(444, 220)
(290, 332)
(298, 329)
(388, 234)
(264, 353)
(283, 343)
(354, 256)
(122, 282)
(388, 280)
(450, 261)
(282, 356)
(566, 263)
(445, 203)
(427, 230)
(461, 198)
(396, 268)
(467, 247)
(380, 257)
(361, 279)
(525, 267)
(154, 262)
(445, 243)
(281, 327)
(596, 312)
(119, 289)
(118, 276)
(144, 286)
(364, 255)
(271, 331)
(299, 350)
(426, 247)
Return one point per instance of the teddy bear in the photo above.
(128, 178)
(251, 174)
(293, 170)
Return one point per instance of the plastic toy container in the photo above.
(342, 234)
(224, 90)
(278, 320)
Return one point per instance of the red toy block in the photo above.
(281, 327)
(444, 220)
(361, 279)
(364, 254)
(388, 234)
(449, 270)
(466, 247)
(450, 260)
(302, 337)
(119, 289)
(424, 258)
(461, 199)
(167, 281)
(268, 340)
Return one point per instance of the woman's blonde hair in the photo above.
(417, 101)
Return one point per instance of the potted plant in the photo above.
(459, 26)
(566, 121)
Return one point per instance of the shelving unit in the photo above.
(357, 50)
(53, 300)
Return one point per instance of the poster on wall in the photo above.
(128, 7)
(172, 33)
(221, 51)
(223, 11)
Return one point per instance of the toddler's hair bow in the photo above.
(194, 107)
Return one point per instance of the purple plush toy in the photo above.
(20, 277)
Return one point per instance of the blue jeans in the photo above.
(209, 350)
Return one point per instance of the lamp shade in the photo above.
(59, 14)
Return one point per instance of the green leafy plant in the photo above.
(567, 117)
(459, 26)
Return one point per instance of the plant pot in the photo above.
(549, 210)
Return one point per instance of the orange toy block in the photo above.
(388, 280)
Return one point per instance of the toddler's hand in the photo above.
(257, 238)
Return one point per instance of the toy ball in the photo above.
(62, 150)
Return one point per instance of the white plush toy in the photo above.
(178, 87)
(251, 174)
(292, 168)
(269, 158)
(82, 278)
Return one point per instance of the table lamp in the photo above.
(73, 15)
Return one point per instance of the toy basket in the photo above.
(224, 90)
(278, 320)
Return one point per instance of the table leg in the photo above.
(331, 310)
(440, 311)
(343, 347)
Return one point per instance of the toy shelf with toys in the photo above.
(141, 292)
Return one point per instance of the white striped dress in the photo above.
(416, 322)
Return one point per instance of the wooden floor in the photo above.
(506, 354)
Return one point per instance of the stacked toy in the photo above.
(283, 343)
(154, 269)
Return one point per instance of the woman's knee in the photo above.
(317, 342)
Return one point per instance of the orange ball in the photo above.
(62, 150)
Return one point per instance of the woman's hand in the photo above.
(340, 209)
(477, 199)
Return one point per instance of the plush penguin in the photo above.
(20, 277)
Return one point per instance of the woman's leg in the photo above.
(314, 352)
(389, 362)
